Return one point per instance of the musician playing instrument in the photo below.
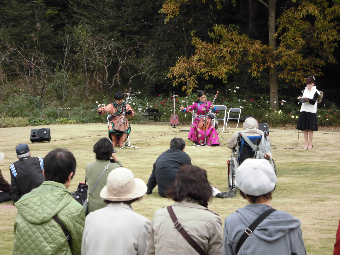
(118, 125)
(197, 133)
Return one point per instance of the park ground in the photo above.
(307, 186)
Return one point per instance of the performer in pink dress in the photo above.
(196, 134)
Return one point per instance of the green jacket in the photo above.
(34, 229)
(92, 172)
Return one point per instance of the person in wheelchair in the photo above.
(118, 124)
(251, 142)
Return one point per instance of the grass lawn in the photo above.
(307, 187)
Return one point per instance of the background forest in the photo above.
(60, 59)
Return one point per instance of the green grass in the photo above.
(307, 187)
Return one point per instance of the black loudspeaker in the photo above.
(40, 135)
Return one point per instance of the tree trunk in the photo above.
(274, 95)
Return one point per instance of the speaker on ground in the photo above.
(40, 135)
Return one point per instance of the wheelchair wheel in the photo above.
(231, 175)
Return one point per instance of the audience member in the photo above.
(5, 188)
(337, 242)
(26, 173)
(104, 151)
(46, 211)
(191, 193)
(117, 229)
(250, 127)
(279, 233)
(165, 168)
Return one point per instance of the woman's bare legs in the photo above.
(305, 135)
(310, 142)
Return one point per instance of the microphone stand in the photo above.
(127, 144)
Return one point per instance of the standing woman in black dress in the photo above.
(307, 120)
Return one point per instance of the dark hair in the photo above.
(191, 182)
(310, 79)
(124, 202)
(58, 165)
(177, 143)
(199, 94)
(103, 149)
(118, 95)
(256, 199)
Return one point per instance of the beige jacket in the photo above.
(203, 225)
(250, 127)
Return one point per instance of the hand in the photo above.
(99, 110)
(114, 157)
(181, 107)
(299, 97)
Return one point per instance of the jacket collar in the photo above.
(192, 204)
(120, 205)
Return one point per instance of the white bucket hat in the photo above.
(255, 177)
(1, 156)
(122, 186)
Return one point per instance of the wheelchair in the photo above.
(256, 146)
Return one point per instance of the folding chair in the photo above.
(221, 108)
(232, 117)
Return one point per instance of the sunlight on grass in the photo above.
(308, 180)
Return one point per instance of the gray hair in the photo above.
(25, 155)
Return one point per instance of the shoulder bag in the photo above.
(86, 203)
(184, 233)
(252, 227)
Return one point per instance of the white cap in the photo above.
(255, 177)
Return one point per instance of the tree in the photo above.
(322, 29)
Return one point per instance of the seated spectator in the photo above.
(337, 242)
(279, 233)
(117, 229)
(46, 210)
(5, 188)
(250, 127)
(26, 173)
(191, 193)
(165, 168)
(104, 151)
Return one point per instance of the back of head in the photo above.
(310, 79)
(122, 186)
(22, 150)
(191, 182)
(256, 177)
(250, 123)
(103, 149)
(177, 143)
(58, 165)
(118, 95)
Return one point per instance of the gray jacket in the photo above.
(278, 234)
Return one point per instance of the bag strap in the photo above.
(100, 176)
(66, 232)
(252, 227)
(184, 233)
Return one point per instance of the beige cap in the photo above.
(122, 186)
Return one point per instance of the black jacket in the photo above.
(26, 174)
(165, 170)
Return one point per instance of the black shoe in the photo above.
(230, 193)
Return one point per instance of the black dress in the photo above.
(307, 120)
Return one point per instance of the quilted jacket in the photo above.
(36, 232)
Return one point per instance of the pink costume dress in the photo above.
(196, 134)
